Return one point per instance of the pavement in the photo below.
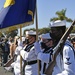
(4, 72)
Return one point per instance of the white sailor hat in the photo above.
(30, 32)
(46, 36)
(58, 23)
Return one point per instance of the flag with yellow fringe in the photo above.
(17, 12)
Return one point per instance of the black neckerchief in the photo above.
(28, 47)
(48, 50)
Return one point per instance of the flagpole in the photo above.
(20, 54)
(36, 21)
(36, 25)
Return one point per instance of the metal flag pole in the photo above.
(36, 22)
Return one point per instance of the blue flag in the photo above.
(15, 12)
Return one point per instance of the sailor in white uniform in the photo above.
(65, 60)
(65, 65)
(45, 55)
(16, 63)
(29, 55)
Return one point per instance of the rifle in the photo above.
(58, 49)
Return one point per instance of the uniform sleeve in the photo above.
(17, 50)
(24, 54)
(68, 61)
(29, 56)
(44, 57)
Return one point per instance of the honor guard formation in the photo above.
(46, 56)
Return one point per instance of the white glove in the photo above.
(37, 47)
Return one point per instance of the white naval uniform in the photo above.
(45, 58)
(16, 64)
(67, 65)
(30, 56)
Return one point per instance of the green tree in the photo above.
(12, 33)
(61, 15)
(40, 31)
(44, 30)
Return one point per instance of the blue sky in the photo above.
(47, 8)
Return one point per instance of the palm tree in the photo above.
(61, 16)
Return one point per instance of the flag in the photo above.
(17, 12)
